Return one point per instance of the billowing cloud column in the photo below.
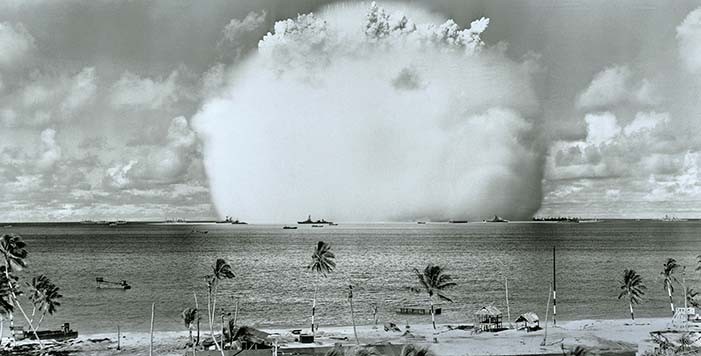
(355, 114)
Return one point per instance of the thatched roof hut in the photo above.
(528, 321)
(488, 318)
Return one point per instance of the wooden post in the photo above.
(554, 286)
(236, 311)
(508, 311)
(150, 347)
(547, 308)
(119, 338)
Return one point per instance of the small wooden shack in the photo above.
(488, 319)
(528, 321)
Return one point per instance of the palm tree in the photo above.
(190, 316)
(220, 270)
(413, 350)
(633, 287)
(13, 251)
(44, 297)
(323, 263)
(577, 351)
(669, 268)
(433, 280)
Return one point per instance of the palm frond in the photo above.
(323, 260)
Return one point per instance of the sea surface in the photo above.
(165, 265)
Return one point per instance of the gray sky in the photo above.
(97, 100)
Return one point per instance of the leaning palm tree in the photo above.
(668, 270)
(44, 296)
(220, 270)
(433, 281)
(632, 286)
(13, 252)
(323, 263)
(190, 316)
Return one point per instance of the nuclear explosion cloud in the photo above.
(365, 113)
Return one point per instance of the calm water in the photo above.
(165, 264)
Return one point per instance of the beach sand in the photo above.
(602, 335)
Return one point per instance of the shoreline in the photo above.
(616, 336)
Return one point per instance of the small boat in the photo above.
(421, 222)
(458, 221)
(317, 225)
(105, 284)
(289, 227)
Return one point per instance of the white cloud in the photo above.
(689, 37)
(645, 121)
(601, 127)
(134, 92)
(15, 44)
(608, 87)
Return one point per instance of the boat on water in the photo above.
(230, 220)
(105, 284)
(315, 225)
(65, 333)
(421, 222)
(289, 227)
(458, 221)
(497, 219)
(309, 221)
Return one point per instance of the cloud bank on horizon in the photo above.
(361, 113)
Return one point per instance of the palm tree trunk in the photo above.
(2, 325)
(197, 307)
(15, 301)
(355, 332)
(41, 319)
(192, 343)
(671, 302)
(433, 319)
(314, 310)
(632, 316)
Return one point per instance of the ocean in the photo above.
(166, 265)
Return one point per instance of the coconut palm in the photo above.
(632, 286)
(433, 281)
(13, 252)
(220, 270)
(413, 350)
(577, 351)
(190, 316)
(668, 270)
(44, 296)
(323, 263)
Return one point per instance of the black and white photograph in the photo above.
(350, 178)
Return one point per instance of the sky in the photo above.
(199, 109)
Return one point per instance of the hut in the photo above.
(528, 321)
(488, 319)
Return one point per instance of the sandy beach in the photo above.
(604, 336)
